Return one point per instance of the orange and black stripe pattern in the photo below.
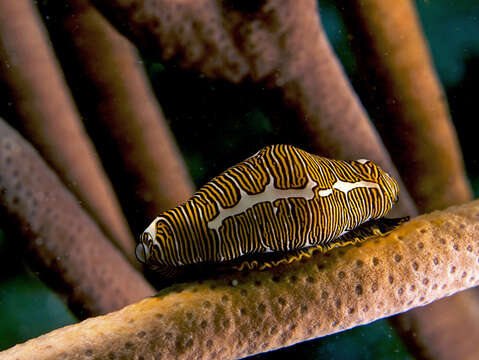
(280, 199)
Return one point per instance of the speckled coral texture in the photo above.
(70, 251)
(407, 100)
(237, 315)
(47, 116)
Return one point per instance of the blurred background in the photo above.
(220, 119)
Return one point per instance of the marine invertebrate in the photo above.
(285, 47)
(300, 87)
(402, 91)
(281, 44)
(430, 257)
(280, 199)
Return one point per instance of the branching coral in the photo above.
(284, 46)
(124, 118)
(70, 248)
(430, 257)
(409, 103)
(443, 329)
(280, 44)
(49, 118)
(408, 100)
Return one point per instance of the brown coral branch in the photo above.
(72, 252)
(315, 84)
(430, 257)
(281, 43)
(49, 119)
(407, 100)
(127, 124)
(411, 112)
(444, 329)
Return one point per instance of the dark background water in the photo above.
(218, 124)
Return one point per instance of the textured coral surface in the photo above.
(407, 100)
(78, 259)
(279, 47)
(428, 258)
(47, 116)
(124, 118)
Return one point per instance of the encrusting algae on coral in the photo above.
(432, 256)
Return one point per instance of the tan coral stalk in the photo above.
(49, 119)
(445, 329)
(281, 43)
(144, 151)
(412, 111)
(73, 254)
(430, 257)
(412, 114)
(315, 85)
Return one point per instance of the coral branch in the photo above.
(407, 100)
(411, 112)
(125, 119)
(443, 329)
(73, 254)
(281, 43)
(49, 118)
(430, 257)
(314, 84)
